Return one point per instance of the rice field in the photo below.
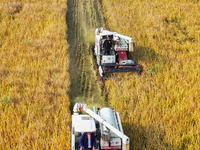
(34, 82)
(159, 109)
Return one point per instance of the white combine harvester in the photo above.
(106, 125)
(117, 60)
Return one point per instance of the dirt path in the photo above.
(82, 19)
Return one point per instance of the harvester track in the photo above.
(82, 18)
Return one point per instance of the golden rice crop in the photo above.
(34, 106)
(159, 109)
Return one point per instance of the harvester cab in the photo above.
(117, 59)
(106, 125)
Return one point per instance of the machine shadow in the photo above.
(146, 138)
(148, 55)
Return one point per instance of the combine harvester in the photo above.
(106, 125)
(117, 60)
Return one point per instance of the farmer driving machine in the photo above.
(117, 59)
(106, 125)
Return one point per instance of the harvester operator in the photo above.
(87, 141)
(107, 45)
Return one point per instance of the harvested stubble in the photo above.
(160, 109)
(34, 106)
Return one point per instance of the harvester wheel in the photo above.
(139, 73)
(102, 81)
(94, 56)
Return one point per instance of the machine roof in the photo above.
(84, 123)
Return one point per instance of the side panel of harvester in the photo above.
(112, 118)
(97, 49)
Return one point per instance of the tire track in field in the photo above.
(82, 19)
